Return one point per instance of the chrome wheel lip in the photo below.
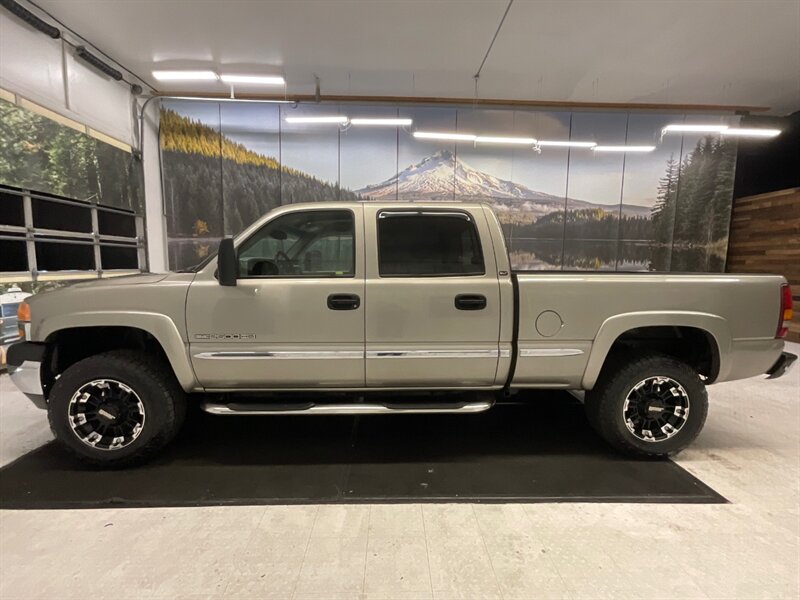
(680, 410)
(92, 439)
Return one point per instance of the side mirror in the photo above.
(227, 265)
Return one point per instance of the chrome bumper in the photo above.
(24, 363)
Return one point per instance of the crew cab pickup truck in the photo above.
(411, 308)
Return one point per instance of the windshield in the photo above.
(9, 310)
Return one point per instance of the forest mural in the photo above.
(224, 165)
(41, 155)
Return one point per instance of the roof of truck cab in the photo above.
(390, 204)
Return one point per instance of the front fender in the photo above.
(615, 326)
(161, 327)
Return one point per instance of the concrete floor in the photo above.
(750, 548)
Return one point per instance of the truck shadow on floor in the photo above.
(541, 449)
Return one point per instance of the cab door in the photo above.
(433, 298)
(295, 318)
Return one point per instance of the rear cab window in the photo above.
(428, 243)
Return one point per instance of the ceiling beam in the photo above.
(489, 102)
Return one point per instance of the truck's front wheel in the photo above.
(115, 409)
(649, 406)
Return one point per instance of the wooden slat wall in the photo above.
(765, 238)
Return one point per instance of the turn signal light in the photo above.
(24, 312)
(786, 313)
(23, 318)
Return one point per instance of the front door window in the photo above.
(313, 243)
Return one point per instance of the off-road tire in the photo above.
(605, 403)
(152, 380)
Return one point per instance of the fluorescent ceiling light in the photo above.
(682, 128)
(254, 79)
(185, 75)
(341, 119)
(437, 135)
(744, 132)
(624, 148)
(394, 122)
(488, 139)
(723, 130)
(566, 144)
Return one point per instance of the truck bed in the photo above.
(568, 321)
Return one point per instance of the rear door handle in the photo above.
(470, 302)
(343, 301)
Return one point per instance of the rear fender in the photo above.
(613, 327)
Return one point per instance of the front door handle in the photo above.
(470, 302)
(343, 301)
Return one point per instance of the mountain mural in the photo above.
(216, 184)
(436, 177)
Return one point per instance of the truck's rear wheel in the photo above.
(649, 406)
(116, 409)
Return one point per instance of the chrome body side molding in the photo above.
(350, 354)
(490, 353)
(281, 354)
(550, 352)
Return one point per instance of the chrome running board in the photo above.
(240, 408)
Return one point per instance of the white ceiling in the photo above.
(734, 52)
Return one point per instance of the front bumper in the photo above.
(783, 364)
(24, 363)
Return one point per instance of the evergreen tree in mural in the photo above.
(209, 177)
(43, 156)
(664, 209)
(692, 211)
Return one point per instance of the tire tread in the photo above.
(174, 404)
(601, 402)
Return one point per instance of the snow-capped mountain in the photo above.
(435, 176)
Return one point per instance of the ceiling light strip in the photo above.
(566, 144)
(751, 132)
(444, 135)
(185, 75)
(721, 129)
(488, 139)
(692, 128)
(338, 119)
(253, 79)
(400, 122)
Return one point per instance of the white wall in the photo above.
(47, 72)
(154, 207)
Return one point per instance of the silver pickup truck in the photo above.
(382, 308)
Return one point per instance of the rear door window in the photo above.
(428, 244)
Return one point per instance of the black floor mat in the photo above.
(539, 451)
